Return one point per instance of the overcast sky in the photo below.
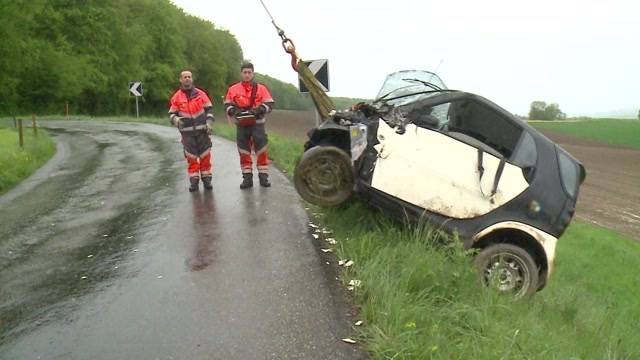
(584, 55)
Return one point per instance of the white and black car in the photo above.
(421, 151)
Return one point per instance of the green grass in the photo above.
(18, 163)
(420, 299)
(609, 131)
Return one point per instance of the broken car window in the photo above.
(482, 123)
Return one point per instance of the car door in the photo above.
(451, 169)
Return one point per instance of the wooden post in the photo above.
(35, 126)
(66, 109)
(20, 133)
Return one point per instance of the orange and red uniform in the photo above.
(195, 110)
(255, 99)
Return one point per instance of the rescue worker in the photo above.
(248, 102)
(191, 111)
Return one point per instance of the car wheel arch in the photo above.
(517, 237)
(334, 137)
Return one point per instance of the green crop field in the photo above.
(610, 131)
(16, 163)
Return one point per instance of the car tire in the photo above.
(508, 269)
(324, 176)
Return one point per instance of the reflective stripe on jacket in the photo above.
(193, 106)
(239, 95)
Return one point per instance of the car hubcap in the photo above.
(324, 177)
(507, 273)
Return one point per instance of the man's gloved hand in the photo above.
(259, 111)
(232, 111)
(178, 122)
(209, 128)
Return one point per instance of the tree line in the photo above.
(85, 53)
(540, 110)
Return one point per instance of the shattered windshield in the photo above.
(408, 82)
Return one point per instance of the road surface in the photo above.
(104, 254)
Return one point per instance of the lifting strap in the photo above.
(321, 100)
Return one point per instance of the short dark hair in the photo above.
(246, 65)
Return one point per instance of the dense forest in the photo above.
(85, 53)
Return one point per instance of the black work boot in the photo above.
(194, 183)
(264, 180)
(206, 182)
(247, 181)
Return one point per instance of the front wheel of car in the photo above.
(324, 176)
(509, 269)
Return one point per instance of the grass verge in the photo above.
(18, 163)
(420, 299)
(609, 131)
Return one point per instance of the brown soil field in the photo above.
(610, 195)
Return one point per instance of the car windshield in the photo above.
(404, 83)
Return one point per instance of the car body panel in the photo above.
(425, 157)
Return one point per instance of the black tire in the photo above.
(324, 176)
(508, 269)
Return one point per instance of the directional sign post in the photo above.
(135, 88)
(320, 69)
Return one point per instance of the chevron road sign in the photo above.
(135, 87)
(320, 69)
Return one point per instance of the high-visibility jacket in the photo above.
(194, 108)
(239, 96)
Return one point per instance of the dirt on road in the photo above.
(610, 196)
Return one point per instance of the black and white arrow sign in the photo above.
(320, 69)
(135, 87)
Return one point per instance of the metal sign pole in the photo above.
(137, 111)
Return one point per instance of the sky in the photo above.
(583, 55)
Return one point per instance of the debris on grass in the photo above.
(349, 341)
(326, 250)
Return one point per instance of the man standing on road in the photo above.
(191, 111)
(248, 103)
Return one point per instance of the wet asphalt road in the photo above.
(105, 255)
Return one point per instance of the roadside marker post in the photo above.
(34, 125)
(135, 88)
(20, 137)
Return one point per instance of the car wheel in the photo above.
(324, 176)
(508, 269)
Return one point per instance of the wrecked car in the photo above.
(420, 151)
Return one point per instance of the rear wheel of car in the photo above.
(324, 176)
(508, 269)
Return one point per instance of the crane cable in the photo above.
(321, 100)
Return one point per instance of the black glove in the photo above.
(259, 111)
(232, 111)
